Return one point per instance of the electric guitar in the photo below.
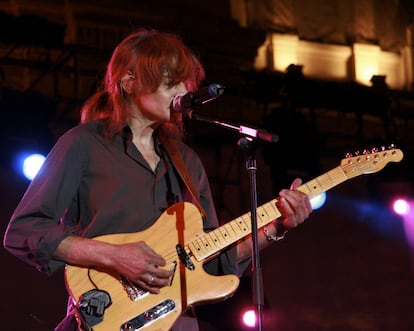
(109, 302)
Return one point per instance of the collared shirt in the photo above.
(91, 185)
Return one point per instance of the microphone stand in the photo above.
(247, 144)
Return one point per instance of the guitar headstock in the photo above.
(369, 162)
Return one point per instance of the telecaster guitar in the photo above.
(109, 302)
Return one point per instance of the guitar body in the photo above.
(179, 224)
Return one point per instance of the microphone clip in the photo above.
(186, 102)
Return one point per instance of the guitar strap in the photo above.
(177, 159)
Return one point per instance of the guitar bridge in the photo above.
(134, 292)
(148, 316)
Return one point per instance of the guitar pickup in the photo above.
(184, 257)
(148, 316)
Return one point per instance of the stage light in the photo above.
(318, 201)
(401, 206)
(30, 164)
(249, 318)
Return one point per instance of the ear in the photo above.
(127, 83)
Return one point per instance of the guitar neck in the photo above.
(209, 244)
(324, 182)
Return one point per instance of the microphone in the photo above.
(183, 103)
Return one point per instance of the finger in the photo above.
(149, 283)
(300, 202)
(160, 273)
(289, 198)
(154, 258)
(294, 198)
(155, 281)
(151, 280)
(157, 261)
(308, 205)
(152, 289)
(285, 207)
(296, 183)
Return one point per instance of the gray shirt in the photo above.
(91, 185)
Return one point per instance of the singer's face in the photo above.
(155, 106)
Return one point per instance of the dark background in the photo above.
(349, 267)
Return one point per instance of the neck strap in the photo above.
(177, 159)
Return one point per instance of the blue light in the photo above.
(318, 201)
(31, 165)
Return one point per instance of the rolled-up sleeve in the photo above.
(34, 231)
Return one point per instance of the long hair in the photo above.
(148, 55)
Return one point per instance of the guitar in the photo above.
(109, 302)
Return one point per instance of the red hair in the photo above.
(148, 55)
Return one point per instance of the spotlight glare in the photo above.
(32, 165)
(249, 318)
(318, 201)
(401, 207)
